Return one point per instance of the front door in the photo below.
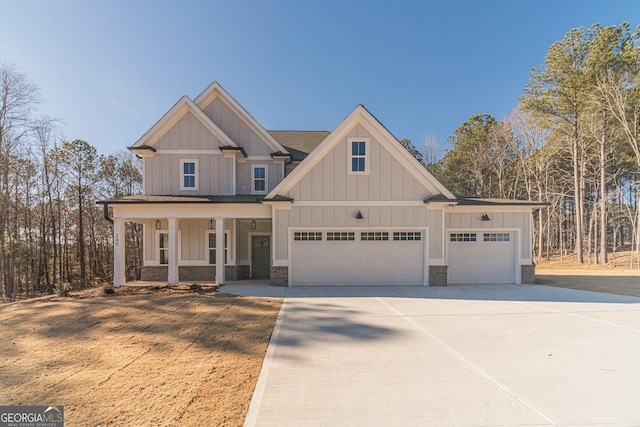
(260, 257)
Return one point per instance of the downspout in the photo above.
(106, 213)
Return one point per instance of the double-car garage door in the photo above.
(357, 257)
(481, 257)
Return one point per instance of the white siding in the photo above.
(239, 132)
(188, 133)
(163, 174)
(387, 178)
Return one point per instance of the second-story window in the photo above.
(259, 179)
(358, 154)
(188, 174)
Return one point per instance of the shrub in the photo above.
(195, 287)
(154, 287)
(62, 289)
(109, 290)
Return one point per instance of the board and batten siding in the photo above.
(163, 175)
(499, 220)
(188, 133)
(239, 132)
(387, 178)
(388, 217)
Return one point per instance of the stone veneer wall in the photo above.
(438, 275)
(528, 274)
(244, 272)
(188, 273)
(279, 275)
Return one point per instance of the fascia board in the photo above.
(214, 90)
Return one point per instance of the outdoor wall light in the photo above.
(158, 224)
(485, 217)
(211, 224)
(253, 224)
(359, 215)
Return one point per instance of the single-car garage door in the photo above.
(481, 257)
(357, 257)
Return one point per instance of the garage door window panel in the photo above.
(496, 237)
(374, 236)
(463, 237)
(407, 235)
(335, 236)
(304, 236)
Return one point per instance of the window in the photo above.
(358, 154)
(496, 237)
(374, 235)
(258, 179)
(462, 237)
(211, 247)
(407, 235)
(189, 174)
(340, 235)
(163, 247)
(307, 235)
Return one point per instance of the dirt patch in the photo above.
(169, 357)
(621, 282)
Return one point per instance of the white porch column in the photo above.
(173, 251)
(119, 278)
(219, 251)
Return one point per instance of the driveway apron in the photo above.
(482, 355)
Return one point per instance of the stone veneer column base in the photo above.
(279, 275)
(188, 273)
(438, 275)
(528, 274)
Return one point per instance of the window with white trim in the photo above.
(163, 248)
(188, 174)
(496, 237)
(407, 235)
(462, 237)
(358, 152)
(211, 247)
(307, 236)
(334, 236)
(374, 235)
(258, 179)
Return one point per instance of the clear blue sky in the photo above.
(111, 69)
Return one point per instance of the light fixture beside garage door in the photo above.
(485, 217)
(359, 215)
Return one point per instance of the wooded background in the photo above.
(572, 141)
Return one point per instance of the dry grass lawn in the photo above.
(166, 358)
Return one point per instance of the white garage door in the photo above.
(357, 257)
(481, 257)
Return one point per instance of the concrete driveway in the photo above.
(483, 355)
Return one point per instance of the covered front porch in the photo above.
(183, 238)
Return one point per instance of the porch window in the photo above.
(189, 174)
(259, 179)
(211, 247)
(163, 247)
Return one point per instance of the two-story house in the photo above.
(307, 208)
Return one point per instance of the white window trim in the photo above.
(367, 155)
(157, 260)
(228, 248)
(266, 179)
(182, 162)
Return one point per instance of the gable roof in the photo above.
(215, 90)
(171, 117)
(300, 143)
(360, 115)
